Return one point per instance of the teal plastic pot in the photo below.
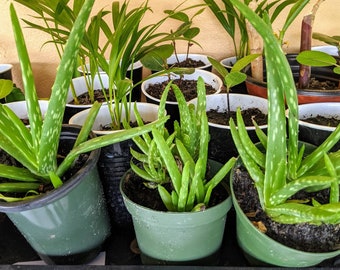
(181, 238)
(69, 224)
(260, 248)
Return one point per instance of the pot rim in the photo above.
(5, 67)
(194, 56)
(162, 78)
(310, 107)
(218, 97)
(83, 113)
(227, 202)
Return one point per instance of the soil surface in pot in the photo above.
(306, 237)
(134, 187)
(222, 118)
(323, 121)
(84, 99)
(188, 88)
(315, 84)
(9, 160)
(189, 63)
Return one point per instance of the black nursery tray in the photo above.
(119, 255)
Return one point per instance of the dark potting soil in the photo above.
(189, 63)
(6, 159)
(306, 237)
(222, 118)
(323, 121)
(323, 85)
(134, 187)
(188, 88)
(84, 99)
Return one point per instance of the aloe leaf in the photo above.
(152, 158)
(280, 85)
(105, 140)
(138, 156)
(33, 109)
(220, 175)
(261, 135)
(17, 173)
(16, 199)
(184, 154)
(296, 213)
(54, 116)
(15, 139)
(166, 198)
(21, 187)
(318, 153)
(168, 159)
(187, 124)
(334, 192)
(252, 150)
(197, 180)
(251, 165)
(207, 195)
(88, 124)
(184, 191)
(293, 187)
(254, 170)
(141, 173)
(55, 180)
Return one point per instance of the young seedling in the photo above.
(235, 76)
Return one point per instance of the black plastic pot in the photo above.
(67, 225)
(113, 162)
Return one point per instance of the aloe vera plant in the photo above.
(285, 168)
(36, 147)
(181, 157)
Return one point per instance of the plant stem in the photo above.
(256, 47)
(306, 44)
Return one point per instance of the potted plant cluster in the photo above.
(123, 50)
(50, 163)
(115, 158)
(170, 191)
(288, 176)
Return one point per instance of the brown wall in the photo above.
(213, 38)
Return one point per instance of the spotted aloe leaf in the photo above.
(287, 169)
(36, 147)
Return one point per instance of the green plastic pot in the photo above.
(260, 248)
(178, 238)
(69, 224)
